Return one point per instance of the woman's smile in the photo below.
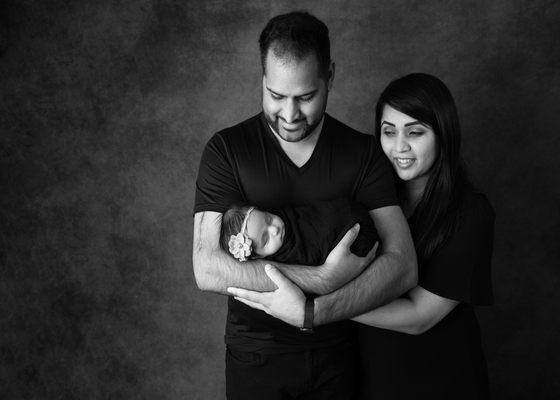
(404, 162)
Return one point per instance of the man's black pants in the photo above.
(319, 374)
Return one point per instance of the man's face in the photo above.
(294, 95)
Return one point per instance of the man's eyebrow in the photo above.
(301, 95)
(309, 93)
(273, 92)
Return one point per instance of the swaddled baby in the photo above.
(297, 235)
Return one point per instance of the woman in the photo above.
(430, 341)
(427, 343)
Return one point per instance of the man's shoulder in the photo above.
(345, 132)
(347, 138)
(240, 133)
(247, 126)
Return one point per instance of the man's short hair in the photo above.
(296, 35)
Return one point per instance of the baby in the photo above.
(299, 235)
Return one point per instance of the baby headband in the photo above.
(240, 244)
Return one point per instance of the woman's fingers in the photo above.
(276, 276)
(258, 306)
(250, 295)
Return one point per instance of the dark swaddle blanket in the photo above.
(312, 231)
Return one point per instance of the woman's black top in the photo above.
(447, 361)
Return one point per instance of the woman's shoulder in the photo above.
(476, 205)
(460, 268)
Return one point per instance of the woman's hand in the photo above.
(286, 303)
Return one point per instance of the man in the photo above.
(291, 154)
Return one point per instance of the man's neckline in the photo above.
(291, 152)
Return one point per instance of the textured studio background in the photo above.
(105, 107)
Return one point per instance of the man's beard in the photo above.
(306, 130)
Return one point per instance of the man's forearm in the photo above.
(216, 271)
(387, 277)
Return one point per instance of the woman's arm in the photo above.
(414, 314)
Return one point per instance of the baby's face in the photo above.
(266, 230)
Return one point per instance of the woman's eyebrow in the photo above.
(416, 123)
(387, 123)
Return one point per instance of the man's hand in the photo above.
(286, 303)
(341, 265)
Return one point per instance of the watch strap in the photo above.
(309, 314)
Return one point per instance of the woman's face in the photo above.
(266, 231)
(409, 144)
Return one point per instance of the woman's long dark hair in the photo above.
(425, 98)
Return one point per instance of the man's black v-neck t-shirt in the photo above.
(245, 164)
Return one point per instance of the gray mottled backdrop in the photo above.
(105, 107)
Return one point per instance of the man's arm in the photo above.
(215, 270)
(391, 274)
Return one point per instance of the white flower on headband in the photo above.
(240, 246)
